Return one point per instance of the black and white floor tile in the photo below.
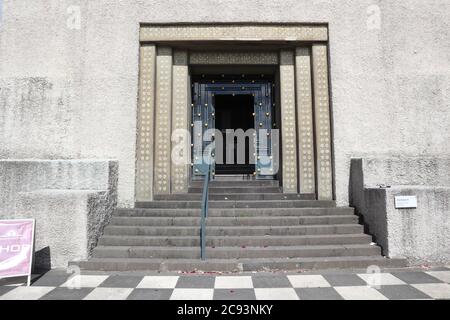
(401, 284)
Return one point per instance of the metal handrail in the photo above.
(204, 212)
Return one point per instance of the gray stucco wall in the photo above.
(68, 223)
(419, 234)
(72, 93)
(70, 200)
(422, 234)
(29, 175)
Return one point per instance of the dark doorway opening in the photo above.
(234, 112)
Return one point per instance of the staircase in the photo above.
(251, 226)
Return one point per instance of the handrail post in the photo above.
(204, 213)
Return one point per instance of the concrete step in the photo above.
(236, 265)
(234, 230)
(234, 212)
(234, 190)
(234, 221)
(238, 204)
(236, 252)
(239, 183)
(234, 196)
(219, 241)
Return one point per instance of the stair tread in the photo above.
(239, 227)
(252, 260)
(251, 201)
(258, 193)
(253, 211)
(236, 248)
(230, 209)
(238, 182)
(244, 237)
(262, 187)
(262, 196)
(236, 185)
(237, 204)
(235, 212)
(242, 217)
(167, 221)
(242, 264)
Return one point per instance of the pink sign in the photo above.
(16, 247)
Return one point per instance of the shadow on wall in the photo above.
(369, 206)
(42, 260)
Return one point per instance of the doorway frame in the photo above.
(260, 86)
(303, 60)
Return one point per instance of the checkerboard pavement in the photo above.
(430, 283)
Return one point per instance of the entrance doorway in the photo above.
(240, 109)
(234, 113)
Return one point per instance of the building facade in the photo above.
(89, 81)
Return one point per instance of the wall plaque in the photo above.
(405, 202)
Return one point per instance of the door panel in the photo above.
(263, 121)
(202, 129)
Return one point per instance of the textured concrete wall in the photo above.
(421, 234)
(71, 201)
(29, 175)
(398, 170)
(68, 223)
(72, 93)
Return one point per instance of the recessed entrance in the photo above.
(232, 119)
(234, 113)
(183, 67)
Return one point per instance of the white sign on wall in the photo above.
(405, 202)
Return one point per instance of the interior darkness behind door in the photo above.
(234, 112)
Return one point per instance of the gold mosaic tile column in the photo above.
(180, 112)
(145, 117)
(163, 116)
(322, 122)
(306, 174)
(288, 128)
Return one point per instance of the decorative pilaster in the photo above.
(163, 130)
(322, 122)
(180, 110)
(288, 132)
(306, 174)
(145, 118)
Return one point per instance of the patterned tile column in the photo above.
(288, 132)
(163, 116)
(306, 174)
(145, 117)
(322, 122)
(180, 111)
